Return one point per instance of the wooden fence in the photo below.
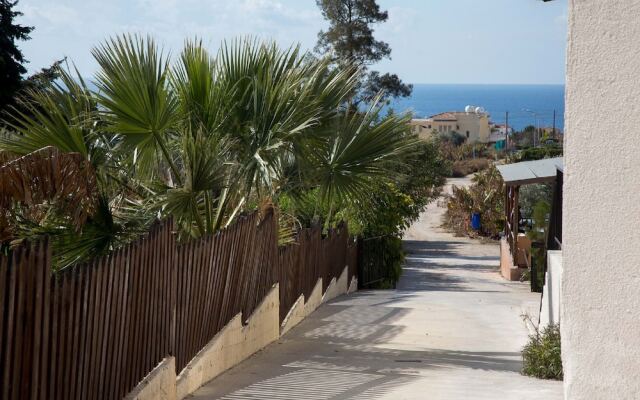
(95, 330)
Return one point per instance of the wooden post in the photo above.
(514, 226)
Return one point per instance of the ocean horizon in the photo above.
(429, 99)
(526, 104)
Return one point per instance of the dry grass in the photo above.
(484, 196)
(469, 166)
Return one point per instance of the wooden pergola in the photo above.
(520, 174)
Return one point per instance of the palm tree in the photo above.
(205, 138)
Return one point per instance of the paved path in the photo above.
(452, 330)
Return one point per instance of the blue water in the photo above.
(428, 100)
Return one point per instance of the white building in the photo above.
(600, 310)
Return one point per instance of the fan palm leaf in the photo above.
(58, 116)
(138, 105)
(358, 148)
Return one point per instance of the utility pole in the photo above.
(506, 143)
(536, 130)
(554, 124)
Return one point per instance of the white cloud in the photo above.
(52, 14)
(72, 27)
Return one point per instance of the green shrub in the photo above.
(537, 153)
(385, 210)
(542, 356)
(386, 252)
(454, 138)
(466, 151)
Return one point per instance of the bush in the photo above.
(454, 138)
(452, 152)
(537, 153)
(384, 210)
(382, 258)
(542, 356)
(388, 208)
(463, 168)
(484, 196)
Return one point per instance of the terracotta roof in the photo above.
(445, 116)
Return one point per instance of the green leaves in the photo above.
(134, 93)
(360, 147)
(206, 138)
(541, 356)
(199, 204)
(59, 116)
(202, 102)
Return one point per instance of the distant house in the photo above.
(497, 137)
(473, 124)
(499, 133)
(502, 128)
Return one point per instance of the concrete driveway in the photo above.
(451, 330)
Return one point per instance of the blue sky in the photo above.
(433, 41)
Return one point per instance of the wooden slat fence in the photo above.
(220, 276)
(95, 330)
(299, 268)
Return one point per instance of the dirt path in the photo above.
(452, 330)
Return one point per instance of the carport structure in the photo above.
(515, 175)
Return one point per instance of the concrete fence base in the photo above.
(301, 309)
(337, 287)
(353, 286)
(159, 384)
(235, 343)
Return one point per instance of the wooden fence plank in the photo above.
(29, 319)
(119, 385)
(132, 304)
(55, 356)
(98, 333)
(21, 318)
(79, 282)
(88, 305)
(4, 297)
(65, 323)
(113, 330)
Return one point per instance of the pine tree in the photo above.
(350, 39)
(11, 58)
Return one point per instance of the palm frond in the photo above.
(138, 105)
(58, 116)
(358, 148)
(47, 177)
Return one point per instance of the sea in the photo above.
(526, 104)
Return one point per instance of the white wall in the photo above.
(551, 294)
(601, 252)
